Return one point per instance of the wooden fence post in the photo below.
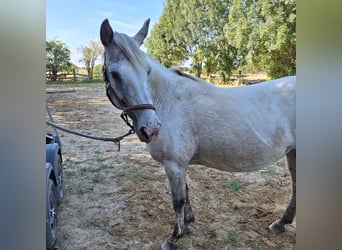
(74, 75)
(239, 78)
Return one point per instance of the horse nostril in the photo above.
(144, 133)
(149, 134)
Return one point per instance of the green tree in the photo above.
(193, 29)
(205, 39)
(163, 44)
(97, 72)
(90, 54)
(221, 35)
(264, 32)
(57, 57)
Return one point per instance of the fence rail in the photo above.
(73, 76)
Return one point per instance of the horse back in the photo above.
(231, 129)
(247, 128)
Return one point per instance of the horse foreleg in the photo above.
(188, 215)
(177, 180)
(290, 212)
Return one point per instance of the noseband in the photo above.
(124, 109)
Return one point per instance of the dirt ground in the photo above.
(122, 200)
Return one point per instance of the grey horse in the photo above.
(185, 120)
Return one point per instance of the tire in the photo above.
(60, 187)
(51, 218)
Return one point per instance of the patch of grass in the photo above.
(68, 189)
(135, 176)
(69, 160)
(69, 172)
(198, 168)
(207, 185)
(234, 185)
(205, 198)
(103, 166)
(233, 238)
(147, 202)
(80, 188)
(212, 232)
(84, 170)
(281, 162)
(256, 246)
(66, 235)
(120, 174)
(201, 210)
(96, 178)
(237, 207)
(99, 159)
(208, 230)
(66, 159)
(271, 170)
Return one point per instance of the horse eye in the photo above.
(116, 76)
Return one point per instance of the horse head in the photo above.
(126, 73)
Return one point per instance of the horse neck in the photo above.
(168, 85)
(161, 81)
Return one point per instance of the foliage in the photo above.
(57, 57)
(192, 30)
(219, 36)
(163, 44)
(97, 72)
(90, 54)
(81, 76)
(264, 32)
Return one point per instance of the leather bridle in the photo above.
(123, 108)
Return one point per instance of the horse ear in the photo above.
(142, 33)
(106, 33)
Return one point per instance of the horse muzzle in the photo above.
(149, 132)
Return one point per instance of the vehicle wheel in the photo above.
(51, 221)
(60, 187)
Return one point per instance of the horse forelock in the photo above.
(131, 50)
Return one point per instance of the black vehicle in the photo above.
(54, 184)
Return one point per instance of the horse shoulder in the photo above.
(175, 141)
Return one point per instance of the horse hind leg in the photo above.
(290, 212)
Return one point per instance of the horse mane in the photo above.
(130, 49)
(135, 56)
(181, 73)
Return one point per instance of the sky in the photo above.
(76, 22)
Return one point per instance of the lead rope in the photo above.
(123, 116)
(115, 140)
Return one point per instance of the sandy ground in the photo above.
(122, 200)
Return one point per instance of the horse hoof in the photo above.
(169, 245)
(277, 227)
